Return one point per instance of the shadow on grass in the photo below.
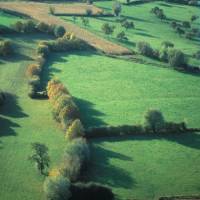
(145, 35)
(106, 173)
(191, 140)
(13, 110)
(89, 116)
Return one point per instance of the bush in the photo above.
(122, 36)
(107, 29)
(117, 8)
(90, 191)
(18, 27)
(68, 44)
(88, 12)
(59, 31)
(42, 27)
(43, 50)
(154, 121)
(2, 98)
(163, 54)
(57, 188)
(177, 58)
(127, 25)
(76, 158)
(6, 48)
(186, 24)
(197, 55)
(29, 26)
(167, 44)
(33, 70)
(75, 130)
(145, 49)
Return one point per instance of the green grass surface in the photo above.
(7, 19)
(147, 26)
(22, 122)
(147, 168)
(113, 91)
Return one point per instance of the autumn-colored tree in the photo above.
(75, 130)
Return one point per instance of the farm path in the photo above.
(40, 12)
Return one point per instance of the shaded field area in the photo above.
(22, 122)
(113, 91)
(147, 26)
(146, 167)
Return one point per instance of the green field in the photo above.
(147, 26)
(7, 19)
(108, 91)
(22, 122)
(147, 168)
(113, 91)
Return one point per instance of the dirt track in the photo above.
(40, 12)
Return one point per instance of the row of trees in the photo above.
(154, 123)
(176, 58)
(30, 26)
(185, 28)
(158, 13)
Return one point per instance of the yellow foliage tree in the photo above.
(75, 130)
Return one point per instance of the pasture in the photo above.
(108, 90)
(22, 122)
(111, 91)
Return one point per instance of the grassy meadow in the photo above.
(108, 91)
(147, 168)
(22, 122)
(113, 91)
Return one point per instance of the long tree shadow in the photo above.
(11, 109)
(89, 115)
(190, 139)
(106, 173)
(7, 127)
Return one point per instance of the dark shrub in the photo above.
(59, 31)
(43, 50)
(117, 8)
(88, 11)
(57, 188)
(163, 54)
(154, 121)
(42, 27)
(122, 36)
(90, 191)
(2, 98)
(6, 48)
(145, 49)
(186, 24)
(167, 44)
(189, 35)
(127, 25)
(197, 55)
(29, 26)
(107, 29)
(18, 27)
(177, 58)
